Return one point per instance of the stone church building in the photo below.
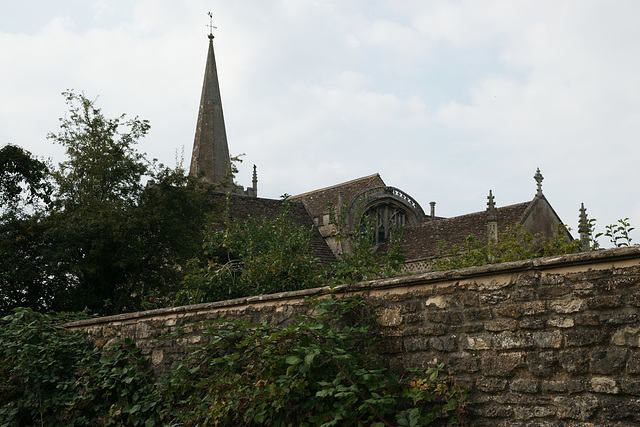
(389, 207)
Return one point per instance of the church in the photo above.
(387, 206)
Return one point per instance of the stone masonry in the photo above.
(546, 342)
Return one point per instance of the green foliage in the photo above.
(51, 376)
(103, 165)
(321, 370)
(23, 182)
(251, 257)
(512, 245)
(106, 242)
(618, 234)
(313, 372)
(254, 256)
(360, 260)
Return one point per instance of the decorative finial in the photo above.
(584, 228)
(255, 179)
(211, 26)
(538, 177)
(491, 208)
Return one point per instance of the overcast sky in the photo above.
(445, 99)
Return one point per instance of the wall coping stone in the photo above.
(607, 256)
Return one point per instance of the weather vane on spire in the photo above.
(211, 26)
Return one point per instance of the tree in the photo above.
(250, 257)
(103, 166)
(25, 192)
(23, 182)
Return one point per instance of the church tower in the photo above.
(210, 154)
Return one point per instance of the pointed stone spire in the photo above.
(210, 154)
(538, 177)
(492, 219)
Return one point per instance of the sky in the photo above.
(446, 100)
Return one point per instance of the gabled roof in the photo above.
(422, 241)
(316, 201)
(241, 207)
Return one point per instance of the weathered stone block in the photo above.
(608, 361)
(567, 305)
(586, 320)
(474, 314)
(526, 412)
(501, 325)
(491, 384)
(552, 279)
(605, 301)
(583, 289)
(501, 365)
(627, 336)
(582, 338)
(157, 356)
(630, 386)
(524, 385)
(477, 342)
(416, 343)
(493, 411)
(553, 291)
(604, 385)
(575, 386)
(541, 364)
(618, 318)
(533, 308)
(492, 298)
(414, 318)
(553, 386)
(532, 323)
(576, 408)
(544, 339)
(633, 365)
(509, 340)
(437, 301)
(509, 310)
(389, 317)
(445, 343)
(433, 329)
(574, 361)
(560, 322)
(463, 362)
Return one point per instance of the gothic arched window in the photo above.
(384, 218)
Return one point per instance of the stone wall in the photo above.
(552, 341)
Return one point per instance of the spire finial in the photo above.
(538, 177)
(211, 26)
(584, 228)
(492, 215)
(255, 179)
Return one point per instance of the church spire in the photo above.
(210, 154)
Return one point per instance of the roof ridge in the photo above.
(342, 184)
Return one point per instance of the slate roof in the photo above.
(421, 241)
(242, 207)
(316, 201)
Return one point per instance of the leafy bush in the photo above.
(321, 370)
(51, 376)
(312, 372)
(251, 257)
(512, 245)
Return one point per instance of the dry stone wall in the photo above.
(546, 342)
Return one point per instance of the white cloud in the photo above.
(445, 99)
